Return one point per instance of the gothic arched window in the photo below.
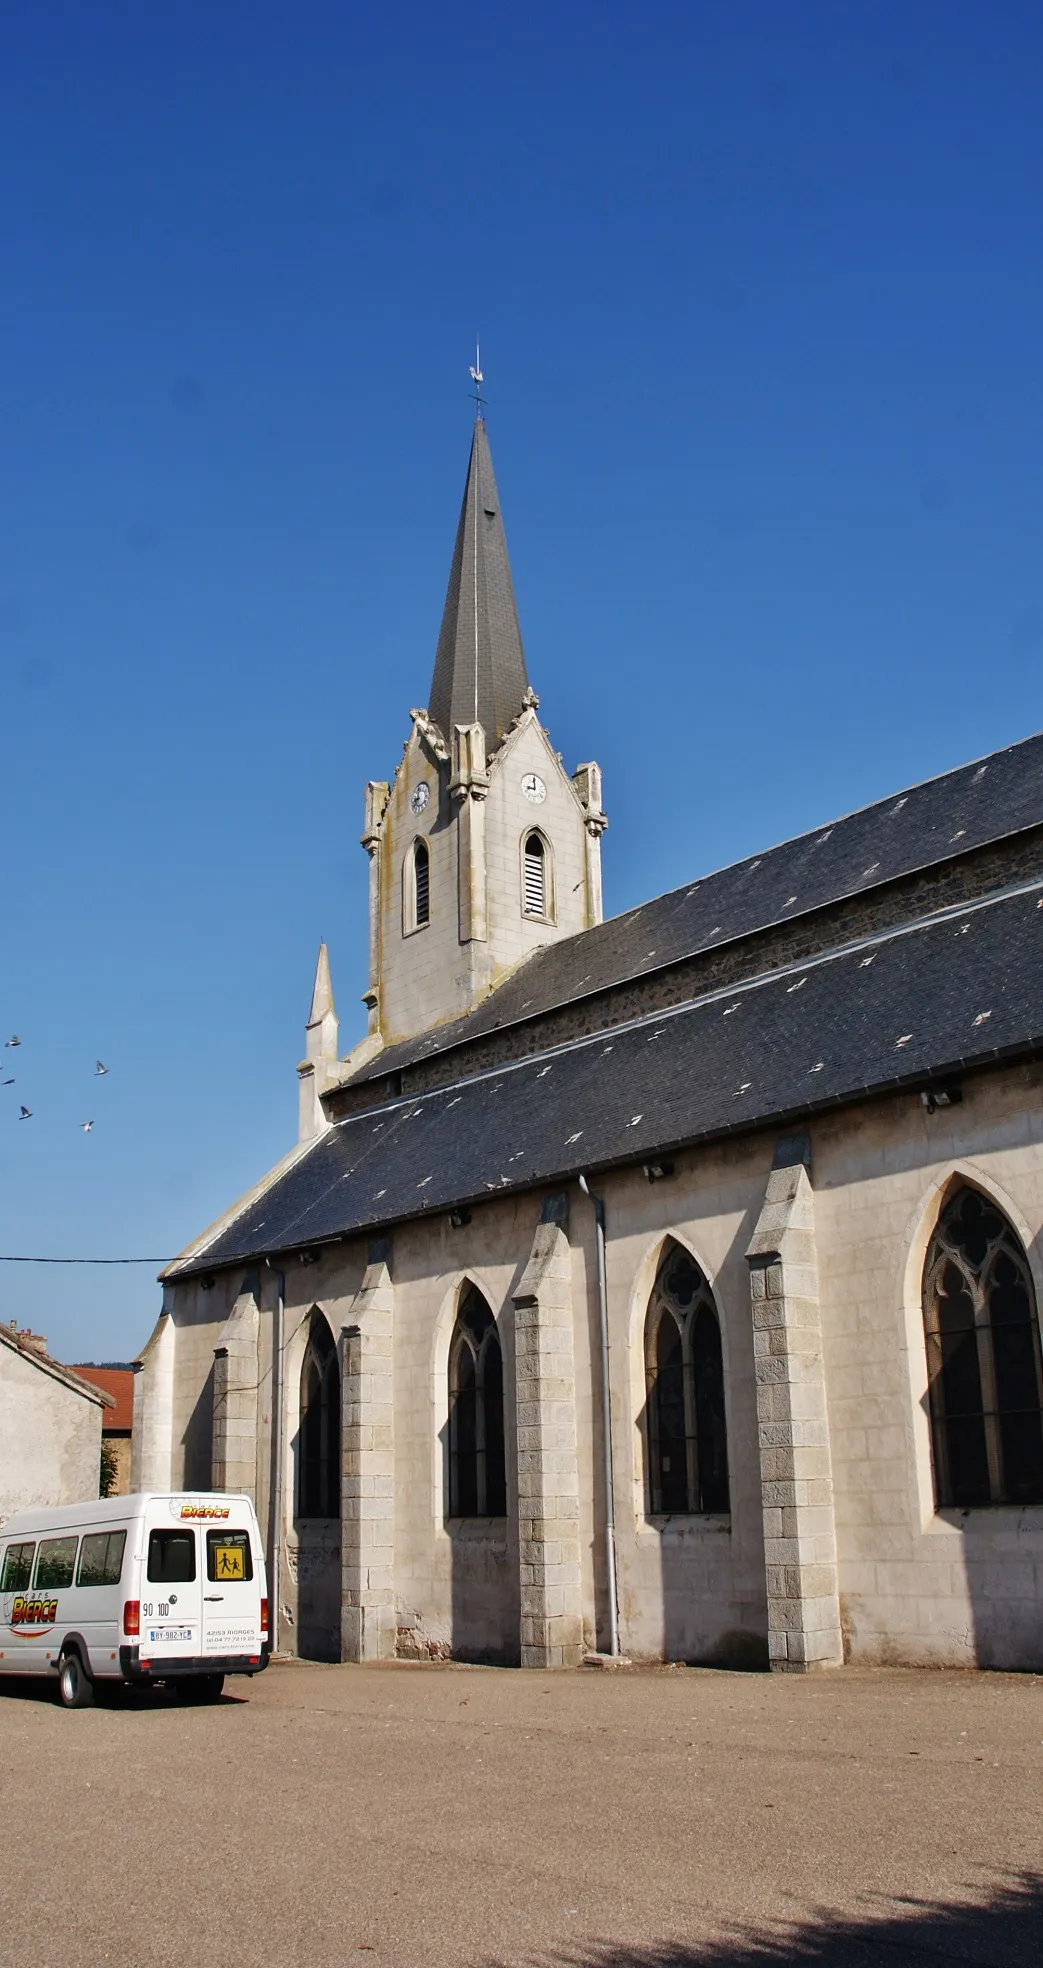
(477, 1469)
(984, 1370)
(534, 876)
(686, 1441)
(318, 1478)
(418, 911)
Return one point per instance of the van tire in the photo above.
(200, 1688)
(75, 1687)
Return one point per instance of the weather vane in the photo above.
(477, 379)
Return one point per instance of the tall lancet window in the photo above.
(983, 1358)
(534, 877)
(686, 1440)
(477, 1468)
(418, 911)
(318, 1441)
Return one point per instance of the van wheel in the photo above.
(75, 1687)
(200, 1687)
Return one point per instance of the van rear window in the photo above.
(171, 1557)
(55, 1563)
(18, 1567)
(101, 1558)
(228, 1555)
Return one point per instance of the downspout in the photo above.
(606, 1421)
(275, 1485)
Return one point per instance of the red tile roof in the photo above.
(119, 1382)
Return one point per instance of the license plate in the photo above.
(169, 1633)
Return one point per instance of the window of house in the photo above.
(685, 1435)
(420, 912)
(477, 1467)
(534, 877)
(318, 1483)
(985, 1374)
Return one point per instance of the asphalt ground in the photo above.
(418, 1816)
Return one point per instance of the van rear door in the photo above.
(231, 1593)
(171, 1593)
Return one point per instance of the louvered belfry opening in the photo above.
(535, 877)
(421, 884)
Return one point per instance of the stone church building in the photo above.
(669, 1284)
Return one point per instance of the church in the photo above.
(664, 1287)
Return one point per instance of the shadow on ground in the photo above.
(1002, 1930)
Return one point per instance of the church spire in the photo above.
(322, 1028)
(480, 675)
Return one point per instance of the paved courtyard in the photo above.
(421, 1816)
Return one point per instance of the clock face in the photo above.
(534, 788)
(421, 795)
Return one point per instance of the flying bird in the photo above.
(14, 1041)
(26, 1114)
(99, 1068)
(6, 1082)
(86, 1126)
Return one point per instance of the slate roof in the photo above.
(480, 664)
(959, 990)
(926, 825)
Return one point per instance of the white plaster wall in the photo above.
(689, 1588)
(456, 1584)
(916, 1585)
(509, 817)
(50, 1438)
(428, 975)
(424, 976)
(310, 1572)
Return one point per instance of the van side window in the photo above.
(55, 1563)
(18, 1567)
(101, 1558)
(228, 1555)
(171, 1557)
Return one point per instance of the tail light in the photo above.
(264, 1618)
(132, 1616)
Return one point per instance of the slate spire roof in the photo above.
(480, 670)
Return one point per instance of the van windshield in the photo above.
(171, 1557)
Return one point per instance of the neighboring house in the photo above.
(117, 1427)
(50, 1427)
(808, 1089)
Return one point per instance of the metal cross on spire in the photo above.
(477, 379)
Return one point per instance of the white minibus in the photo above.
(155, 1588)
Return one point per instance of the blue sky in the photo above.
(761, 304)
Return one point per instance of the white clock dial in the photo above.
(421, 795)
(534, 788)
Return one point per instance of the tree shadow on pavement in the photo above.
(1001, 1930)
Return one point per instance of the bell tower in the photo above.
(483, 847)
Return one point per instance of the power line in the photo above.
(84, 1260)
